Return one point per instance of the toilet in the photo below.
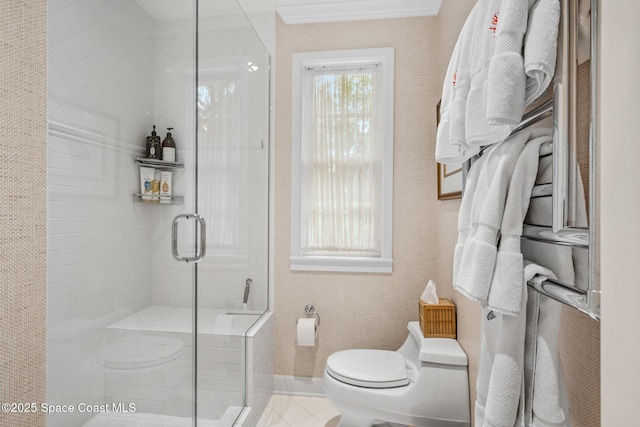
(424, 384)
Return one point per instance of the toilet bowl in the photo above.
(424, 384)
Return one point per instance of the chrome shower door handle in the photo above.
(201, 250)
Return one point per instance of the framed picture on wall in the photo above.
(449, 181)
(449, 176)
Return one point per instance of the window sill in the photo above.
(341, 264)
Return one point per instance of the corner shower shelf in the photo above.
(158, 200)
(159, 164)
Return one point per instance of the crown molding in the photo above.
(312, 11)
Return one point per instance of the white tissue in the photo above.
(307, 332)
(429, 295)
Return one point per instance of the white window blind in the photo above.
(342, 165)
(224, 164)
(219, 150)
(341, 159)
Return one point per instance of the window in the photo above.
(342, 161)
(222, 101)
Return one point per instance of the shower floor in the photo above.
(138, 419)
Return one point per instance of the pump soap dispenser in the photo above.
(169, 148)
(153, 145)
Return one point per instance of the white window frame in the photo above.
(361, 264)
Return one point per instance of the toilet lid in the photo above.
(369, 368)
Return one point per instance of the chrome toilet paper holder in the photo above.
(310, 310)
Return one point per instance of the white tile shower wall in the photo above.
(221, 374)
(100, 99)
(260, 367)
(97, 261)
(100, 58)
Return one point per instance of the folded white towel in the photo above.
(481, 215)
(506, 77)
(495, 16)
(584, 31)
(464, 215)
(545, 400)
(519, 378)
(506, 94)
(500, 368)
(540, 47)
(494, 73)
(451, 145)
(505, 293)
(479, 132)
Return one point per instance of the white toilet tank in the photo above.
(440, 373)
(417, 349)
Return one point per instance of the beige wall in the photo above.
(368, 310)
(362, 310)
(619, 207)
(23, 122)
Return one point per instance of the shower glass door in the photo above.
(232, 130)
(135, 336)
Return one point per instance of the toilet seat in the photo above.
(369, 368)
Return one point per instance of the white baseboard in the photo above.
(297, 386)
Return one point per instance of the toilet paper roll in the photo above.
(307, 332)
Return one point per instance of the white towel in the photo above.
(464, 215)
(451, 145)
(540, 47)
(495, 71)
(503, 371)
(545, 398)
(505, 293)
(496, 97)
(482, 211)
(584, 31)
(519, 377)
(500, 368)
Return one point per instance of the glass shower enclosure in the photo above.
(150, 298)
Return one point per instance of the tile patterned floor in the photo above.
(299, 411)
(139, 419)
(282, 411)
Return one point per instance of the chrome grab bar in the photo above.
(568, 295)
(562, 124)
(201, 248)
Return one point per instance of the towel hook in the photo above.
(310, 310)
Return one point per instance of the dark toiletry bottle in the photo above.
(149, 147)
(153, 146)
(169, 148)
